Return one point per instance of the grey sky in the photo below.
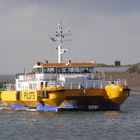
(102, 30)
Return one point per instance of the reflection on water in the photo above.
(114, 113)
(98, 125)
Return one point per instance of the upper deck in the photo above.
(63, 68)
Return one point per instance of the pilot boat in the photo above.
(64, 86)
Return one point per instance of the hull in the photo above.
(54, 99)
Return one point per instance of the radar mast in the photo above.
(59, 38)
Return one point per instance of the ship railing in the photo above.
(52, 83)
(28, 77)
(94, 84)
(24, 77)
(87, 84)
(9, 87)
(122, 82)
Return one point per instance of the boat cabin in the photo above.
(54, 74)
(64, 68)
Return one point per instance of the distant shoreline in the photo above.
(104, 65)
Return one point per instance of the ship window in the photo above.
(50, 70)
(86, 69)
(19, 86)
(91, 69)
(34, 86)
(38, 70)
(59, 70)
(30, 85)
(65, 70)
(77, 69)
(82, 69)
(71, 69)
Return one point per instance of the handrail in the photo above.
(117, 82)
(7, 87)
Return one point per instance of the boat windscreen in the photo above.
(67, 70)
(38, 70)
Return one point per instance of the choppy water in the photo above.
(99, 125)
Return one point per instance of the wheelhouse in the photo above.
(73, 68)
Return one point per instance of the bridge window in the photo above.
(91, 69)
(65, 70)
(50, 70)
(87, 69)
(38, 70)
(59, 70)
(71, 70)
(77, 69)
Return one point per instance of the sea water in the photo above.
(73, 125)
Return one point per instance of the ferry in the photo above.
(64, 86)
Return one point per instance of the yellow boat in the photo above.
(64, 86)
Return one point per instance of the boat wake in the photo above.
(18, 109)
(40, 107)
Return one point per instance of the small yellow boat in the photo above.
(64, 86)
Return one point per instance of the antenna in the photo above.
(59, 38)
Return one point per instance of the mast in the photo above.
(59, 38)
